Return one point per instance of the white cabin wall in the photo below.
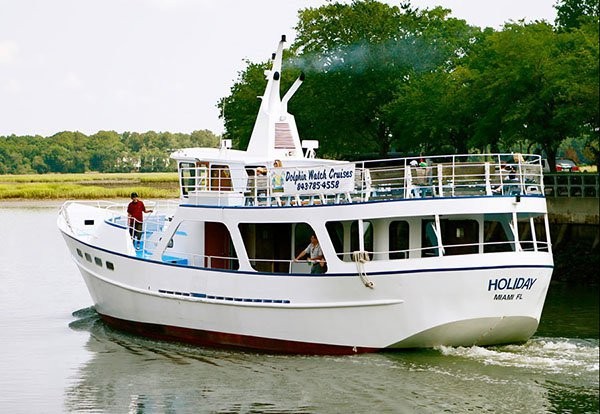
(414, 225)
(381, 239)
(188, 240)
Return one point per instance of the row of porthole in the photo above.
(97, 260)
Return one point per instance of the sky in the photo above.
(160, 65)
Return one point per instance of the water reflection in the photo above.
(132, 374)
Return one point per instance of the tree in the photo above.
(106, 151)
(571, 14)
(432, 113)
(355, 57)
(530, 87)
(364, 55)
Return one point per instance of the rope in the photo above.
(360, 258)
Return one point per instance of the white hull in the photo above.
(408, 309)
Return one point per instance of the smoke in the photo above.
(410, 53)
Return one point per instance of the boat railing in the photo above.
(291, 266)
(65, 209)
(385, 179)
(451, 249)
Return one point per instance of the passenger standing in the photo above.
(135, 215)
(315, 255)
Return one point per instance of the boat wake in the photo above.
(550, 355)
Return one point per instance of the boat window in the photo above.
(527, 231)
(220, 178)
(429, 239)
(345, 237)
(399, 239)
(79, 253)
(88, 257)
(98, 261)
(460, 236)
(271, 247)
(497, 236)
(192, 176)
(110, 266)
(335, 229)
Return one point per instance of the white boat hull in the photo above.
(446, 305)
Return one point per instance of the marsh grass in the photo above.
(87, 177)
(88, 186)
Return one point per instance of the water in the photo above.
(57, 356)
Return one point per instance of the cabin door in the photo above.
(217, 245)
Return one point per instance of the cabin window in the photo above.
(458, 237)
(271, 247)
(497, 235)
(192, 176)
(110, 266)
(399, 236)
(88, 257)
(429, 239)
(98, 261)
(527, 231)
(79, 253)
(220, 178)
(345, 237)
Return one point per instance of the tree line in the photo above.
(105, 151)
(381, 79)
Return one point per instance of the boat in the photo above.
(417, 252)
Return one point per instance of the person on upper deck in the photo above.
(277, 177)
(135, 215)
(315, 256)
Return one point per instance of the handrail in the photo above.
(207, 261)
(386, 179)
(578, 185)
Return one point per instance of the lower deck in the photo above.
(196, 240)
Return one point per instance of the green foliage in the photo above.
(571, 14)
(105, 151)
(381, 78)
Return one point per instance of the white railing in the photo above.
(385, 179)
(291, 265)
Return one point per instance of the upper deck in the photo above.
(236, 182)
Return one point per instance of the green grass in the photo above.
(87, 177)
(88, 186)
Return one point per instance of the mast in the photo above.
(275, 134)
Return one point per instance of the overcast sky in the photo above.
(162, 65)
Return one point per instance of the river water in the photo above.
(57, 356)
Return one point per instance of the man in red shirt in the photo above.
(135, 214)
